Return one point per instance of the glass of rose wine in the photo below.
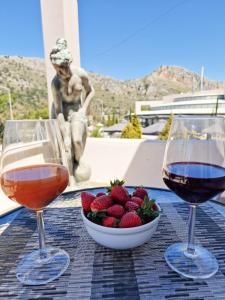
(194, 169)
(33, 175)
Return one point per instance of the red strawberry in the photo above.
(86, 200)
(140, 192)
(118, 192)
(100, 194)
(130, 219)
(101, 203)
(109, 222)
(116, 211)
(137, 200)
(154, 207)
(130, 205)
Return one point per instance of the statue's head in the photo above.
(61, 58)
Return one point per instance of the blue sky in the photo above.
(128, 39)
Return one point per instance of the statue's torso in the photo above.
(69, 103)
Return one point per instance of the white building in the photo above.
(210, 102)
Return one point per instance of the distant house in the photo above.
(152, 130)
(116, 129)
(155, 129)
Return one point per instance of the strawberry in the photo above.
(137, 200)
(118, 192)
(130, 219)
(101, 203)
(140, 192)
(86, 200)
(109, 222)
(100, 194)
(116, 211)
(154, 207)
(130, 206)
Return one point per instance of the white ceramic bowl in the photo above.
(121, 238)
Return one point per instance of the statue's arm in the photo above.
(90, 92)
(89, 89)
(56, 98)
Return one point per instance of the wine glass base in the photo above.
(203, 264)
(41, 267)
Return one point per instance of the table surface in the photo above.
(98, 273)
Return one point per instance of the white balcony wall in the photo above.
(139, 162)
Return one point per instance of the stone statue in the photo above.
(72, 93)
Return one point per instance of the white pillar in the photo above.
(59, 20)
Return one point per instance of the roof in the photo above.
(155, 128)
(116, 127)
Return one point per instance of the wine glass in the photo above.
(32, 174)
(193, 168)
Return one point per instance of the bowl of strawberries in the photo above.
(118, 219)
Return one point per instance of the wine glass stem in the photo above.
(41, 231)
(191, 231)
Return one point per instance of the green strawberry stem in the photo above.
(96, 217)
(116, 182)
(146, 212)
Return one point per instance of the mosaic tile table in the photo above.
(99, 273)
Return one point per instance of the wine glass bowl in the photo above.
(35, 186)
(193, 168)
(195, 182)
(33, 175)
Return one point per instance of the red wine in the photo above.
(35, 186)
(195, 182)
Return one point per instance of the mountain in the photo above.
(27, 81)
(120, 95)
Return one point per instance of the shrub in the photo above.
(165, 132)
(132, 129)
(137, 126)
(41, 113)
(96, 133)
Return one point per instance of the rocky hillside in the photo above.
(26, 79)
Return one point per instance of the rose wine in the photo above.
(195, 182)
(35, 186)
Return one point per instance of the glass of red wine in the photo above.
(32, 174)
(194, 169)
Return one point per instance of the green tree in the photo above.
(132, 109)
(132, 129)
(165, 132)
(108, 121)
(113, 118)
(1, 130)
